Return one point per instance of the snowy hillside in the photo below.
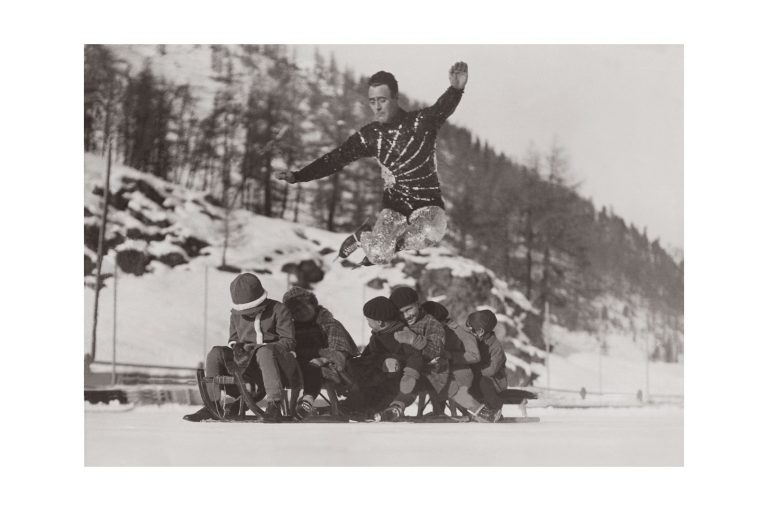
(168, 243)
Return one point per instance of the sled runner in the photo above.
(461, 419)
(216, 406)
(509, 396)
(250, 395)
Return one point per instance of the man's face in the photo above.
(375, 325)
(383, 105)
(301, 309)
(410, 313)
(477, 333)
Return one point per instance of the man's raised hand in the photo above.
(285, 176)
(458, 75)
(406, 336)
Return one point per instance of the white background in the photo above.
(42, 246)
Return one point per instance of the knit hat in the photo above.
(404, 296)
(483, 319)
(436, 310)
(381, 308)
(247, 293)
(297, 292)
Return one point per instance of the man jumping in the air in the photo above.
(413, 215)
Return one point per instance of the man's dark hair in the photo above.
(384, 78)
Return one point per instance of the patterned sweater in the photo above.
(430, 336)
(324, 336)
(405, 149)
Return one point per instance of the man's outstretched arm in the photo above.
(353, 149)
(449, 100)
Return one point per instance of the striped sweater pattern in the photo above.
(406, 151)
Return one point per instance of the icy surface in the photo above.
(157, 436)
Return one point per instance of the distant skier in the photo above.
(413, 213)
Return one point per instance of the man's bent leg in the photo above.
(426, 227)
(379, 243)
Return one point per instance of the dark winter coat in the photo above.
(375, 387)
(405, 149)
(269, 322)
(460, 346)
(493, 361)
(324, 336)
(430, 338)
(383, 345)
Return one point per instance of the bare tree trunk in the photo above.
(332, 202)
(545, 276)
(284, 203)
(226, 238)
(100, 254)
(298, 202)
(103, 227)
(286, 187)
(267, 183)
(528, 255)
(507, 260)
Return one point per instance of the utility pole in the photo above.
(546, 341)
(205, 314)
(114, 330)
(600, 342)
(647, 372)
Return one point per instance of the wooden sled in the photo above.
(250, 395)
(510, 396)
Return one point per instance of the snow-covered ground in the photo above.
(165, 318)
(157, 436)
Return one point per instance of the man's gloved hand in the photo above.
(458, 75)
(391, 365)
(406, 336)
(320, 362)
(285, 176)
(440, 364)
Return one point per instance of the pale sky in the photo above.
(616, 109)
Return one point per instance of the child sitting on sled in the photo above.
(490, 372)
(323, 345)
(261, 339)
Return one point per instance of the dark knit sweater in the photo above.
(430, 336)
(324, 336)
(405, 149)
(383, 344)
